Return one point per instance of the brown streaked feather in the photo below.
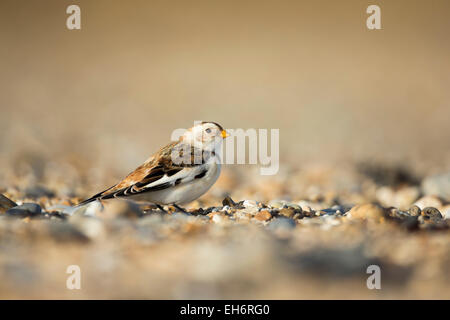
(156, 167)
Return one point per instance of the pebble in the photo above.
(92, 209)
(402, 198)
(277, 204)
(250, 210)
(438, 185)
(332, 211)
(428, 223)
(250, 204)
(406, 196)
(414, 211)
(405, 219)
(445, 211)
(281, 223)
(228, 202)
(319, 213)
(6, 203)
(432, 213)
(219, 218)
(431, 219)
(428, 201)
(288, 212)
(295, 206)
(340, 209)
(263, 215)
(63, 209)
(309, 206)
(367, 212)
(399, 213)
(25, 210)
(239, 215)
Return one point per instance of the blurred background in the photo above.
(82, 108)
(112, 92)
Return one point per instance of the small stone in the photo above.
(426, 222)
(405, 219)
(402, 198)
(219, 218)
(367, 212)
(6, 203)
(307, 209)
(340, 209)
(309, 214)
(406, 196)
(281, 223)
(228, 202)
(288, 212)
(428, 201)
(386, 196)
(438, 185)
(431, 219)
(242, 216)
(250, 203)
(295, 206)
(414, 211)
(92, 209)
(277, 204)
(445, 211)
(307, 206)
(201, 211)
(331, 211)
(25, 210)
(263, 215)
(431, 212)
(396, 213)
(297, 216)
(250, 210)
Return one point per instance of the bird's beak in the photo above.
(225, 134)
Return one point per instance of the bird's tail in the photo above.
(84, 202)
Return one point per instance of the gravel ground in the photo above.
(305, 233)
(364, 148)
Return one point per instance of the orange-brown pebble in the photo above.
(263, 215)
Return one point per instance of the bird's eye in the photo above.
(208, 130)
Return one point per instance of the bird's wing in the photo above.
(160, 172)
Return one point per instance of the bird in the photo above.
(177, 174)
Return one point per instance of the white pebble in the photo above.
(250, 203)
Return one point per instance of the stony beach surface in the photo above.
(305, 233)
(364, 148)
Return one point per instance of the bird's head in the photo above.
(206, 135)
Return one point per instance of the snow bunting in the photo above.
(177, 174)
